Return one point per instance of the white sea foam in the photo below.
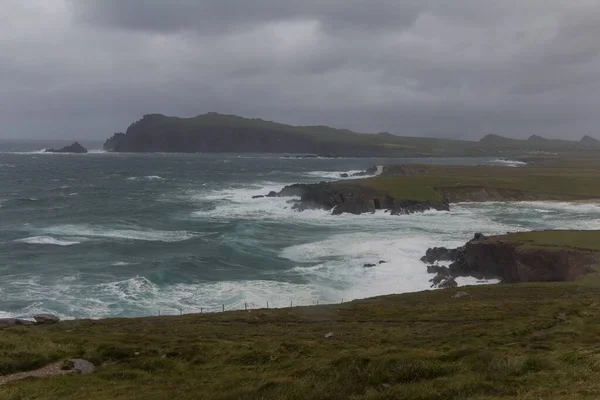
(508, 163)
(122, 234)
(49, 240)
(333, 174)
(146, 178)
(120, 264)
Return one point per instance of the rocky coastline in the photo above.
(507, 260)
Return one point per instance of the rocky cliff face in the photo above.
(511, 261)
(353, 198)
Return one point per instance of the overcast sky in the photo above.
(462, 68)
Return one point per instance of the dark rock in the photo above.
(352, 198)
(74, 148)
(46, 319)
(439, 278)
(260, 196)
(438, 269)
(368, 172)
(447, 283)
(344, 175)
(272, 194)
(439, 254)
(382, 262)
(369, 265)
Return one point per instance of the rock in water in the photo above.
(74, 148)
(448, 283)
(368, 265)
(46, 319)
(343, 175)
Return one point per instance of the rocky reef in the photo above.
(73, 148)
(510, 261)
(352, 198)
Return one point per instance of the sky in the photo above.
(84, 69)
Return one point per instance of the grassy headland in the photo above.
(544, 182)
(218, 133)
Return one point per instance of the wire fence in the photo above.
(246, 306)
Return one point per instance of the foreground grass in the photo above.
(534, 341)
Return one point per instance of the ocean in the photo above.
(123, 235)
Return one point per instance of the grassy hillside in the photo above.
(533, 341)
(553, 181)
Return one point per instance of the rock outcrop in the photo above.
(73, 148)
(353, 198)
(511, 261)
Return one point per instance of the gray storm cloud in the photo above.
(87, 68)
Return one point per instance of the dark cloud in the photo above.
(462, 68)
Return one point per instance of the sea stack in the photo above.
(74, 148)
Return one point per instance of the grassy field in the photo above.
(527, 341)
(582, 240)
(553, 181)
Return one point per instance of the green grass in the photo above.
(527, 341)
(553, 182)
(583, 240)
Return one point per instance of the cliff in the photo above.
(545, 256)
(216, 133)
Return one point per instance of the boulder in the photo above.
(344, 175)
(260, 196)
(439, 254)
(74, 148)
(448, 283)
(46, 319)
(369, 265)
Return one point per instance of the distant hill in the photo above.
(588, 140)
(219, 133)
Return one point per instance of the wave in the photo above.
(508, 163)
(333, 174)
(146, 178)
(118, 234)
(49, 240)
(7, 166)
(73, 298)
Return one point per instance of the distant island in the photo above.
(218, 133)
(73, 148)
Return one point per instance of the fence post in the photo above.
(223, 307)
(180, 310)
(246, 306)
(291, 303)
(267, 305)
(317, 301)
(342, 299)
(201, 309)
(159, 313)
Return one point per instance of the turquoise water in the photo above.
(105, 235)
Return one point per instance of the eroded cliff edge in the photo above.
(544, 256)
